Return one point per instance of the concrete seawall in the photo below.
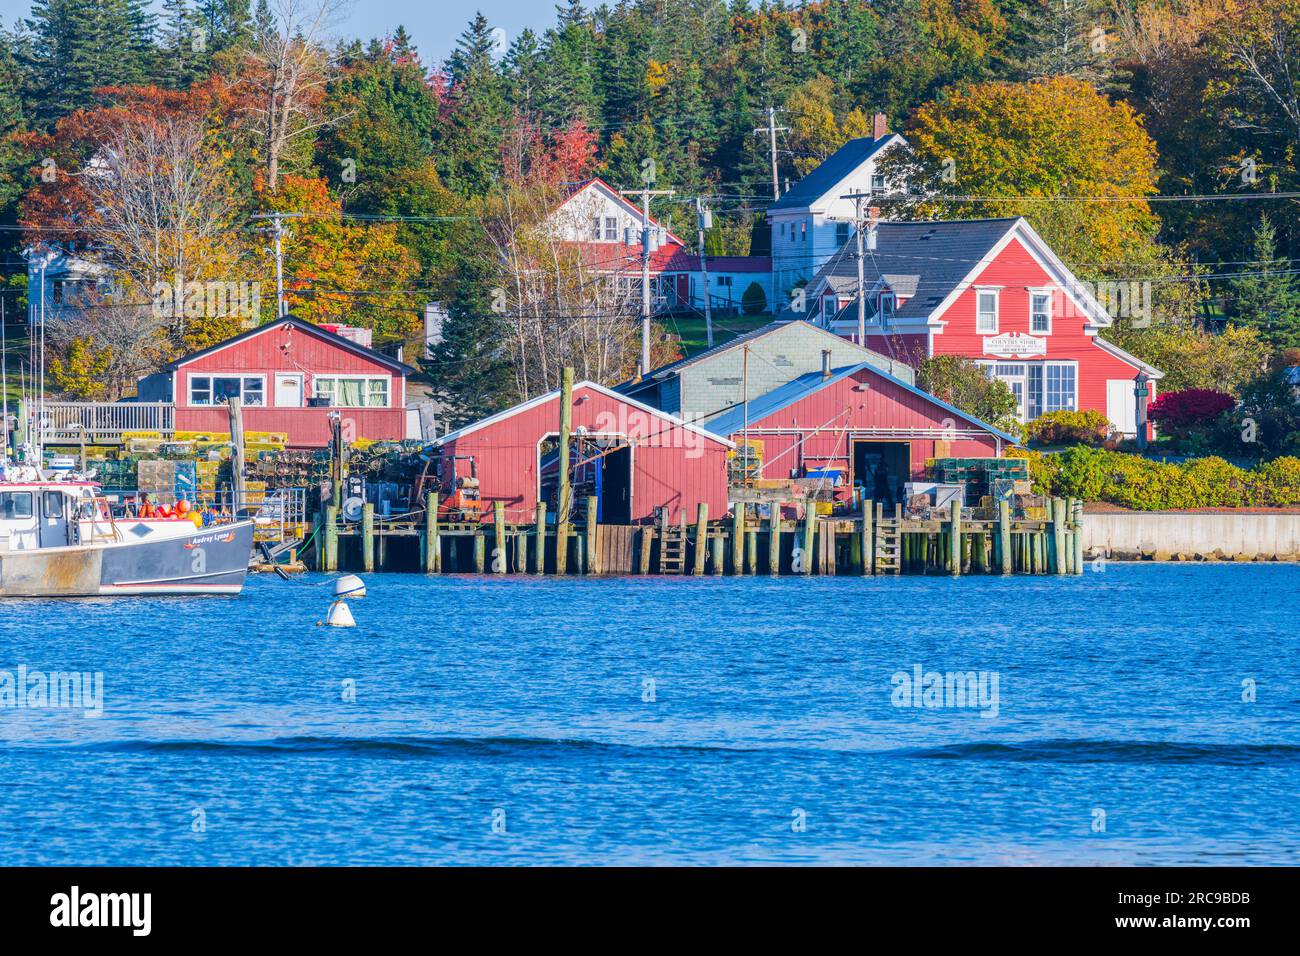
(1193, 537)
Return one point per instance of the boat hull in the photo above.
(207, 561)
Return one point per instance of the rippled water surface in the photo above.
(628, 721)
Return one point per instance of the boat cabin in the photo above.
(46, 514)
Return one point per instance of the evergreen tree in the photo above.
(1269, 298)
(81, 45)
(568, 69)
(227, 23)
(471, 145)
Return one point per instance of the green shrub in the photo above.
(1141, 484)
(754, 301)
(1090, 427)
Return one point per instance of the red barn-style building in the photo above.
(635, 458)
(993, 291)
(289, 375)
(848, 423)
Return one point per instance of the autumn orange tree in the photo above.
(357, 273)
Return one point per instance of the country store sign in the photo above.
(1015, 345)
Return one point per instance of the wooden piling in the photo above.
(751, 551)
(562, 500)
(774, 539)
(1076, 508)
(1004, 536)
(737, 537)
(647, 542)
(867, 533)
(498, 537)
(715, 554)
(701, 537)
(954, 539)
(539, 540)
(331, 538)
(809, 528)
(432, 546)
(593, 505)
(480, 549)
(367, 537)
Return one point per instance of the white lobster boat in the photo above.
(60, 538)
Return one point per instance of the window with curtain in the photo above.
(352, 392)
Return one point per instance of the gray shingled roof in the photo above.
(927, 258)
(833, 168)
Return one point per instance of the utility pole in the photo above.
(704, 221)
(771, 129)
(278, 234)
(648, 244)
(858, 222)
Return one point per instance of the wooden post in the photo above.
(737, 538)
(809, 528)
(480, 548)
(368, 537)
(432, 546)
(539, 540)
(774, 539)
(647, 542)
(237, 453)
(715, 554)
(868, 537)
(701, 536)
(954, 539)
(331, 538)
(562, 463)
(592, 507)
(1057, 562)
(499, 535)
(1004, 536)
(1076, 506)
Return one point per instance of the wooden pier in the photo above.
(869, 543)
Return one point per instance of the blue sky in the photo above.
(435, 24)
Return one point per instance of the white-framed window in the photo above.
(216, 389)
(1060, 387)
(724, 282)
(1040, 312)
(877, 185)
(352, 391)
(986, 310)
(595, 227)
(841, 233)
(15, 504)
(611, 228)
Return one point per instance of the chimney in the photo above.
(879, 126)
(826, 364)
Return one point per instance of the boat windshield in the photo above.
(16, 504)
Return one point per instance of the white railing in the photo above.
(69, 422)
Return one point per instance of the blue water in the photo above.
(511, 722)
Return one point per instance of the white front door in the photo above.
(1016, 377)
(1121, 405)
(288, 389)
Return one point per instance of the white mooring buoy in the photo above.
(351, 586)
(340, 615)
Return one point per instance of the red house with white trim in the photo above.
(289, 375)
(993, 291)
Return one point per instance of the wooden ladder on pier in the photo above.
(672, 546)
(889, 543)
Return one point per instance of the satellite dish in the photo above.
(352, 509)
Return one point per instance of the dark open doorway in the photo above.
(615, 487)
(882, 468)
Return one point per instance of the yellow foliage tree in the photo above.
(81, 373)
(1076, 165)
